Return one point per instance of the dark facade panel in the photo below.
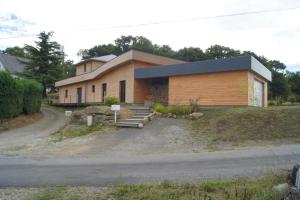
(199, 67)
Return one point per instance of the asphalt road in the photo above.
(176, 168)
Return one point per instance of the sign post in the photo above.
(115, 108)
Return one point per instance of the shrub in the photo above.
(194, 103)
(110, 100)
(32, 97)
(177, 110)
(10, 96)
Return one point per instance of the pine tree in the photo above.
(45, 61)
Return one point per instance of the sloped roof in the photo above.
(128, 56)
(106, 58)
(12, 64)
(206, 66)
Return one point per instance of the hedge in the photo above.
(11, 95)
(32, 96)
(17, 96)
(177, 110)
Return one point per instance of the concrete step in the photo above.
(130, 124)
(138, 117)
(142, 114)
(132, 120)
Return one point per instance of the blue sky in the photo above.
(83, 24)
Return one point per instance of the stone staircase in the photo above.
(139, 119)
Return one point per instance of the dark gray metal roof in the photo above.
(105, 58)
(11, 63)
(206, 66)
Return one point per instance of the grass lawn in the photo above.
(243, 189)
(237, 125)
(72, 131)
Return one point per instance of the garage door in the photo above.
(258, 93)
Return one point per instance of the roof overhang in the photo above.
(206, 66)
(116, 62)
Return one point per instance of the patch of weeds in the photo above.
(236, 126)
(72, 131)
(49, 193)
(241, 189)
(66, 193)
(177, 110)
(297, 140)
(196, 151)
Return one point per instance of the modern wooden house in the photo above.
(135, 77)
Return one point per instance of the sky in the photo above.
(190, 23)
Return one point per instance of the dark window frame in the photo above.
(93, 88)
(66, 94)
(84, 66)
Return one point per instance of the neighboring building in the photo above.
(135, 77)
(11, 64)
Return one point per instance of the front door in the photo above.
(122, 91)
(79, 95)
(258, 93)
(103, 91)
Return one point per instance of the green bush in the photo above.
(177, 110)
(32, 96)
(10, 96)
(110, 100)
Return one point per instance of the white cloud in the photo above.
(83, 24)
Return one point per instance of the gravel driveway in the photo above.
(31, 135)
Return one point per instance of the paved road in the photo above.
(34, 133)
(179, 168)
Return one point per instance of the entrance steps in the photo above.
(142, 116)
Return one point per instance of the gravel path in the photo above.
(33, 134)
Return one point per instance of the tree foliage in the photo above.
(16, 51)
(45, 61)
(280, 86)
(18, 96)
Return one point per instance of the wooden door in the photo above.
(104, 88)
(122, 91)
(79, 95)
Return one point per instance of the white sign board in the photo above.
(115, 107)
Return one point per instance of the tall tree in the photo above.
(218, 51)
(99, 50)
(279, 87)
(45, 61)
(69, 69)
(124, 43)
(143, 44)
(164, 50)
(16, 51)
(191, 54)
(294, 81)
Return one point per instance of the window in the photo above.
(93, 88)
(66, 93)
(84, 67)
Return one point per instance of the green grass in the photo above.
(177, 110)
(65, 193)
(81, 130)
(242, 189)
(237, 125)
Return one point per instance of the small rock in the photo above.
(196, 115)
(281, 187)
(169, 115)
(174, 116)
